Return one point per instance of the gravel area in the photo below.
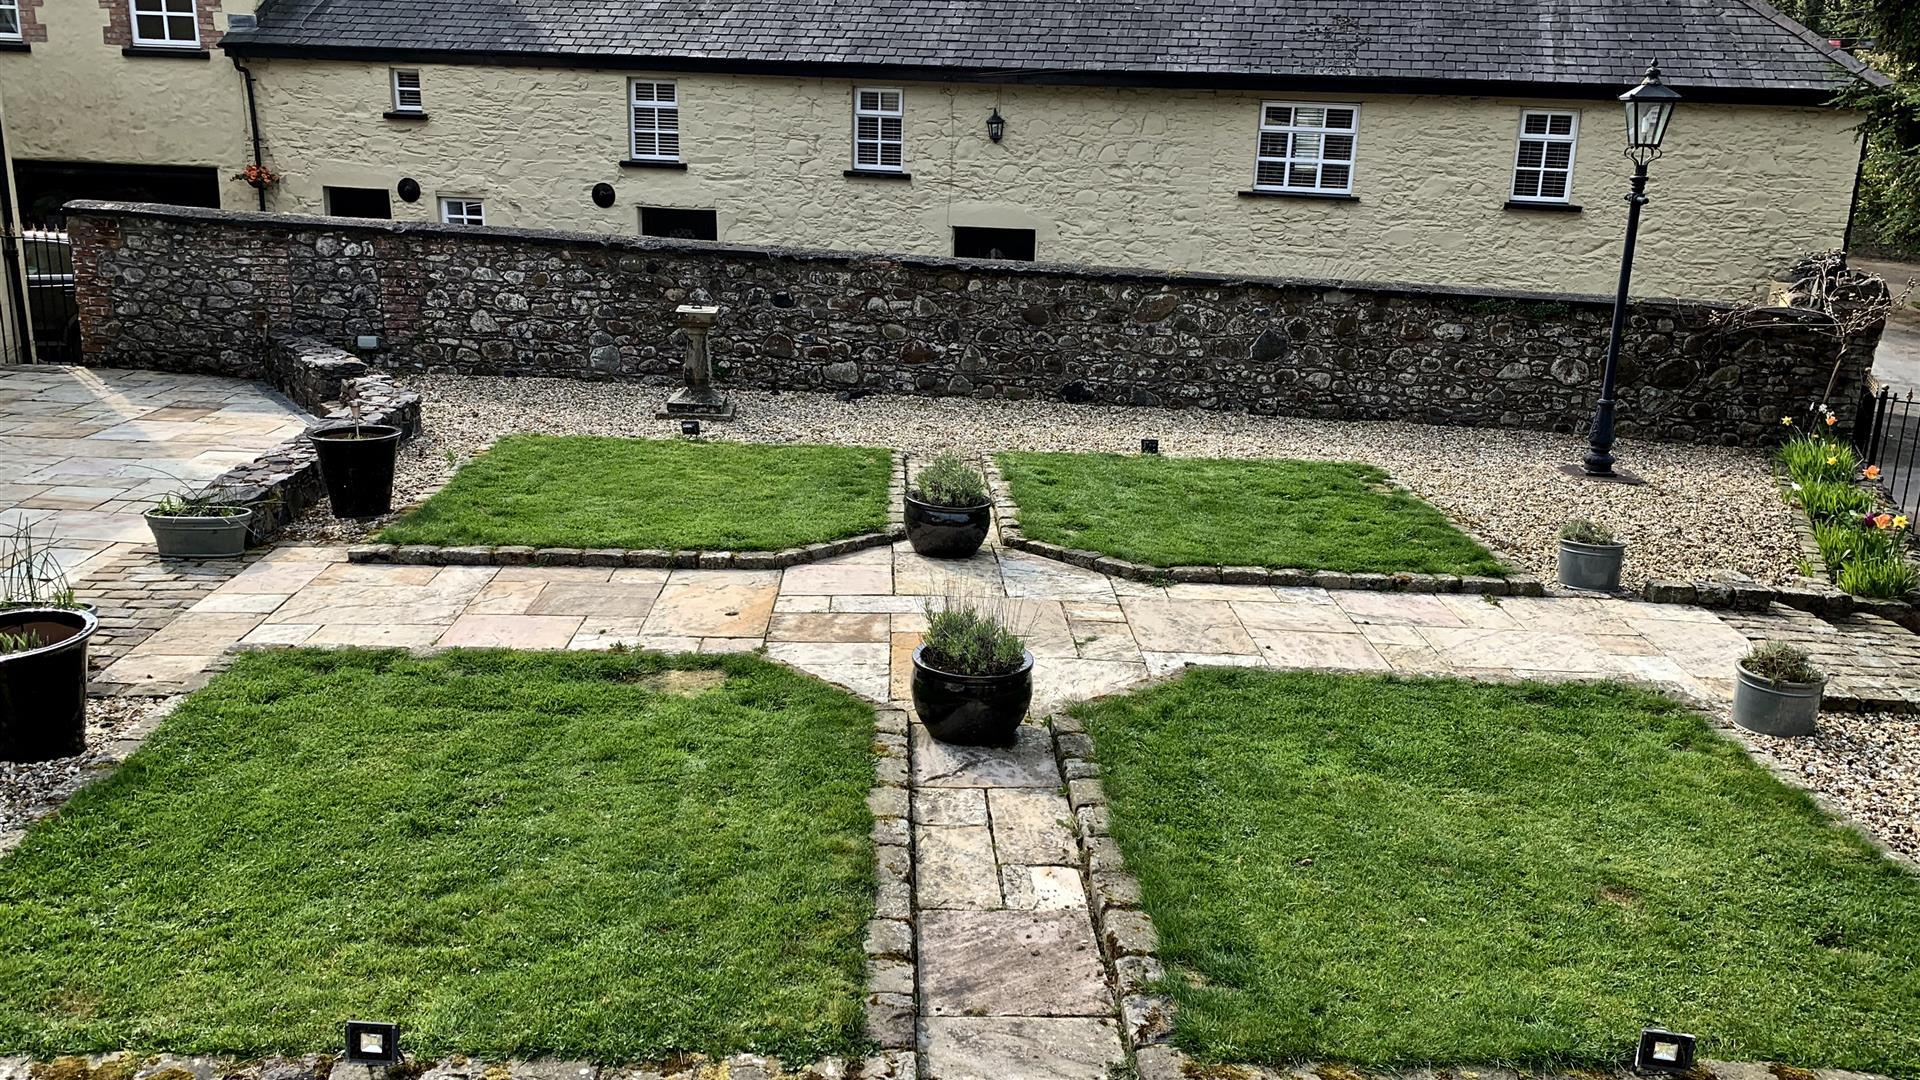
(1703, 509)
(1866, 763)
(30, 792)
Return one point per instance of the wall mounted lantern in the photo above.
(996, 125)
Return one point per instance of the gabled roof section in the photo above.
(1709, 49)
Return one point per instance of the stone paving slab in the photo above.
(1019, 1048)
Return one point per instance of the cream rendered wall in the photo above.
(1119, 177)
(76, 98)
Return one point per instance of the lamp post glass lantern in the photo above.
(1649, 109)
(996, 125)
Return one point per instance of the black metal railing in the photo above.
(1886, 432)
(46, 292)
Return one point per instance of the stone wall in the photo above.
(184, 289)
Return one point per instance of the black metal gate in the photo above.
(1886, 432)
(44, 294)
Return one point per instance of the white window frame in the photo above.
(159, 8)
(879, 140)
(472, 211)
(18, 33)
(1316, 160)
(658, 131)
(418, 89)
(1572, 141)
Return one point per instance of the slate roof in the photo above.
(1736, 48)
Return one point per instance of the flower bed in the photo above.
(1864, 547)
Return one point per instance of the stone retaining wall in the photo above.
(188, 289)
(335, 386)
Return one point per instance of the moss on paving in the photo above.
(1305, 515)
(510, 854)
(590, 492)
(1402, 872)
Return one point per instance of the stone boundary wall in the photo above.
(198, 290)
(283, 482)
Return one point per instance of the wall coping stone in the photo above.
(647, 245)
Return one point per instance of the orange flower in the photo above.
(1832, 419)
(1872, 472)
(1883, 521)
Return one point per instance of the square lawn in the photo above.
(589, 492)
(1396, 872)
(1303, 515)
(582, 855)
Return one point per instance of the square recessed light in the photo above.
(689, 427)
(1664, 1051)
(372, 1043)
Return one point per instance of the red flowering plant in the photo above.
(258, 176)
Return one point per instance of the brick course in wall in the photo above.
(198, 290)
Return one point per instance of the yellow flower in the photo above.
(1833, 459)
(1899, 521)
(1787, 420)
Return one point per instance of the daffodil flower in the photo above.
(1900, 521)
(1787, 421)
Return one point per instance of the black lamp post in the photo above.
(1649, 109)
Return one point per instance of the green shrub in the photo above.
(1887, 576)
(1811, 458)
(1582, 531)
(1777, 661)
(1833, 501)
(963, 639)
(950, 481)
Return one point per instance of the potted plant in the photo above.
(1776, 690)
(972, 677)
(356, 461)
(199, 525)
(1590, 557)
(948, 510)
(43, 655)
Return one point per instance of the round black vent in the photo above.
(603, 195)
(409, 190)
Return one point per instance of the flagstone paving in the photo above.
(85, 451)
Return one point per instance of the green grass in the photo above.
(1396, 872)
(1306, 515)
(507, 853)
(579, 491)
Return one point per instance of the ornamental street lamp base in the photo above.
(1615, 477)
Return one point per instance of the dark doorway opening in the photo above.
(675, 224)
(973, 243)
(359, 202)
(46, 186)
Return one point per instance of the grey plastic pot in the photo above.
(220, 536)
(1591, 566)
(1775, 708)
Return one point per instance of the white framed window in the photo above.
(879, 116)
(166, 23)
(656, 120)
(1306, 146)
(1543, 160)
(463, 211)
(9, 20)
(406, 91)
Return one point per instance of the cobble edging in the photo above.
(1006, 517)
(652, 558)
(180, 288)
(893, 998)
(337, 387)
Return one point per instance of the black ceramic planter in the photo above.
(972, 710)
(947, 532)
(43, 691)
(356, 461)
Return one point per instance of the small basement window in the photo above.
(675, 224)
(407, 97)
(463, 211)
(359, 202)
(977, 243)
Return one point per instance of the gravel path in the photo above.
(1868, 764)
(1702, 509)
(29, 792)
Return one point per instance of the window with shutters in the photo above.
(1543, 163)
(656, 121)
(1306, 146)
(463, 211)
(10, 20)
(165, 22)
(878, 139)
(406, 92)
